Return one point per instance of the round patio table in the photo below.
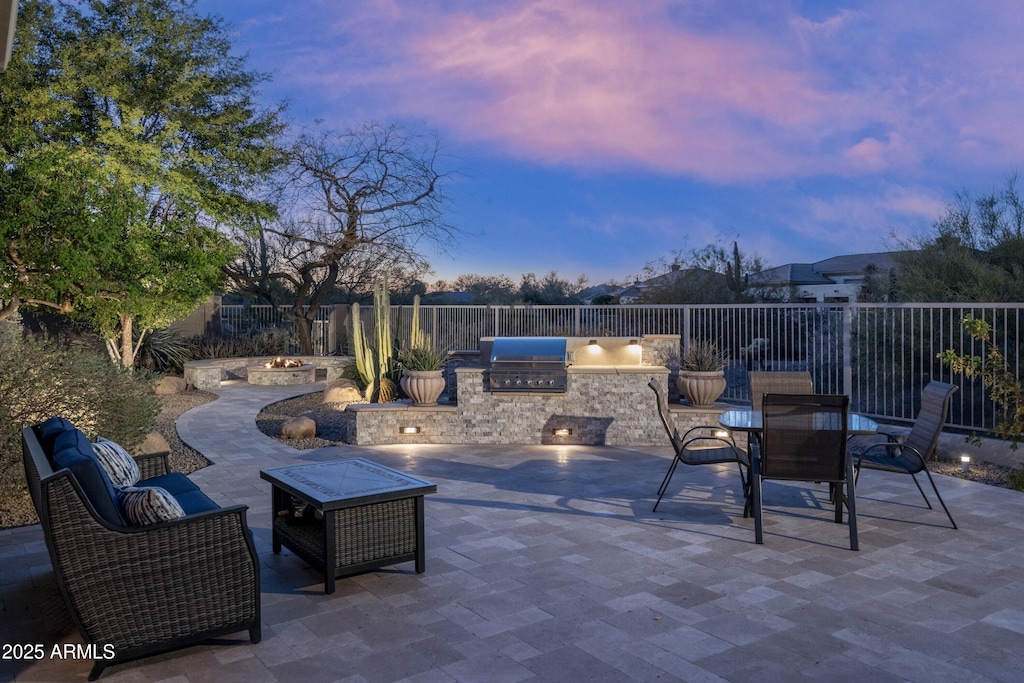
(753, 421)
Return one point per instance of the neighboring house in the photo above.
(679, 285)
(588, 295)
(834, 280)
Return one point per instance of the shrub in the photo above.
(40, 379)
(271, 342)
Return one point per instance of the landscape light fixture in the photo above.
(409, 430)
(592, 342)
(562, 431)
(965, 463)
(634, 342)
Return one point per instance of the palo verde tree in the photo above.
(130, 134)
(355, 204)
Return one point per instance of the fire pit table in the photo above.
(348, 516)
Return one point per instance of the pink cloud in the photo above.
(601, 83)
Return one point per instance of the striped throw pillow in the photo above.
(144, 505)
(119, 465)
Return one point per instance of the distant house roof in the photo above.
(587, 295)
(823, 272)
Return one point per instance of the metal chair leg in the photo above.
(851, 504)
(755, 486)
(665, 482)
(939, 496)
(926, 501)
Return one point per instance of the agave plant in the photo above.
(703, 356)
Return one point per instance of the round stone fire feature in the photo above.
(264, 376)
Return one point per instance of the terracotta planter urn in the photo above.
(701, 388)
(423, 386)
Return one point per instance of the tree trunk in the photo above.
(304, 327)
(127, 348)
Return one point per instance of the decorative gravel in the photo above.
(331, 420)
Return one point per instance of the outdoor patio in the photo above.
(546, 563)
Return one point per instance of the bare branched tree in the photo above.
(354, 206)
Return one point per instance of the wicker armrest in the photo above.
(135, 587)
(154, 464)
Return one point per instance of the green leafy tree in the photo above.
(130, 134)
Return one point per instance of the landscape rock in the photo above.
(299, 427)
(169, 385)
(342, 391)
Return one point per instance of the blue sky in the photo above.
(594, 136)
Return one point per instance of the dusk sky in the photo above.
(594, 136)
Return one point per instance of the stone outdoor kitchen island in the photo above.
(606, 402)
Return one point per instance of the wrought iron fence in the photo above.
(879, 354)
(242, 320)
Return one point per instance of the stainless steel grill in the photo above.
(528, 364)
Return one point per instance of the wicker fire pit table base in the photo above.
(348, 516)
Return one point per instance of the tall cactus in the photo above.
(417, 338)
(375, 361)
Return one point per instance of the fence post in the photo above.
(686, 329)
(848, 350)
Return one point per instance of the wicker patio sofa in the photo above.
(134, 591)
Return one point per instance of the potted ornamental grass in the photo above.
(702, 373)
(422, 379)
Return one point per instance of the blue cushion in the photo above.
(184, 490)
(195, 501)
(72, 451)
(50, 430)
(175, 483)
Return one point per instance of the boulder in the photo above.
(169, 385)
(342, 391)
(299, 427)
(154, 443)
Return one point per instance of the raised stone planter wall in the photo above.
(208, 374)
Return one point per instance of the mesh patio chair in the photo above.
(804, 439)
(701, 445)
(762, 383)
(910, 455)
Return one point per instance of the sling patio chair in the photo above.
(762, 383)
(910, 455)
(804, 439)
(701, 445)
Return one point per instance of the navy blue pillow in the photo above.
(72, 451)
(50, 430)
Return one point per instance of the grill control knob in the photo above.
(519, 381)
(507, 382)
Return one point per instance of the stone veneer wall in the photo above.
(604, 405)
